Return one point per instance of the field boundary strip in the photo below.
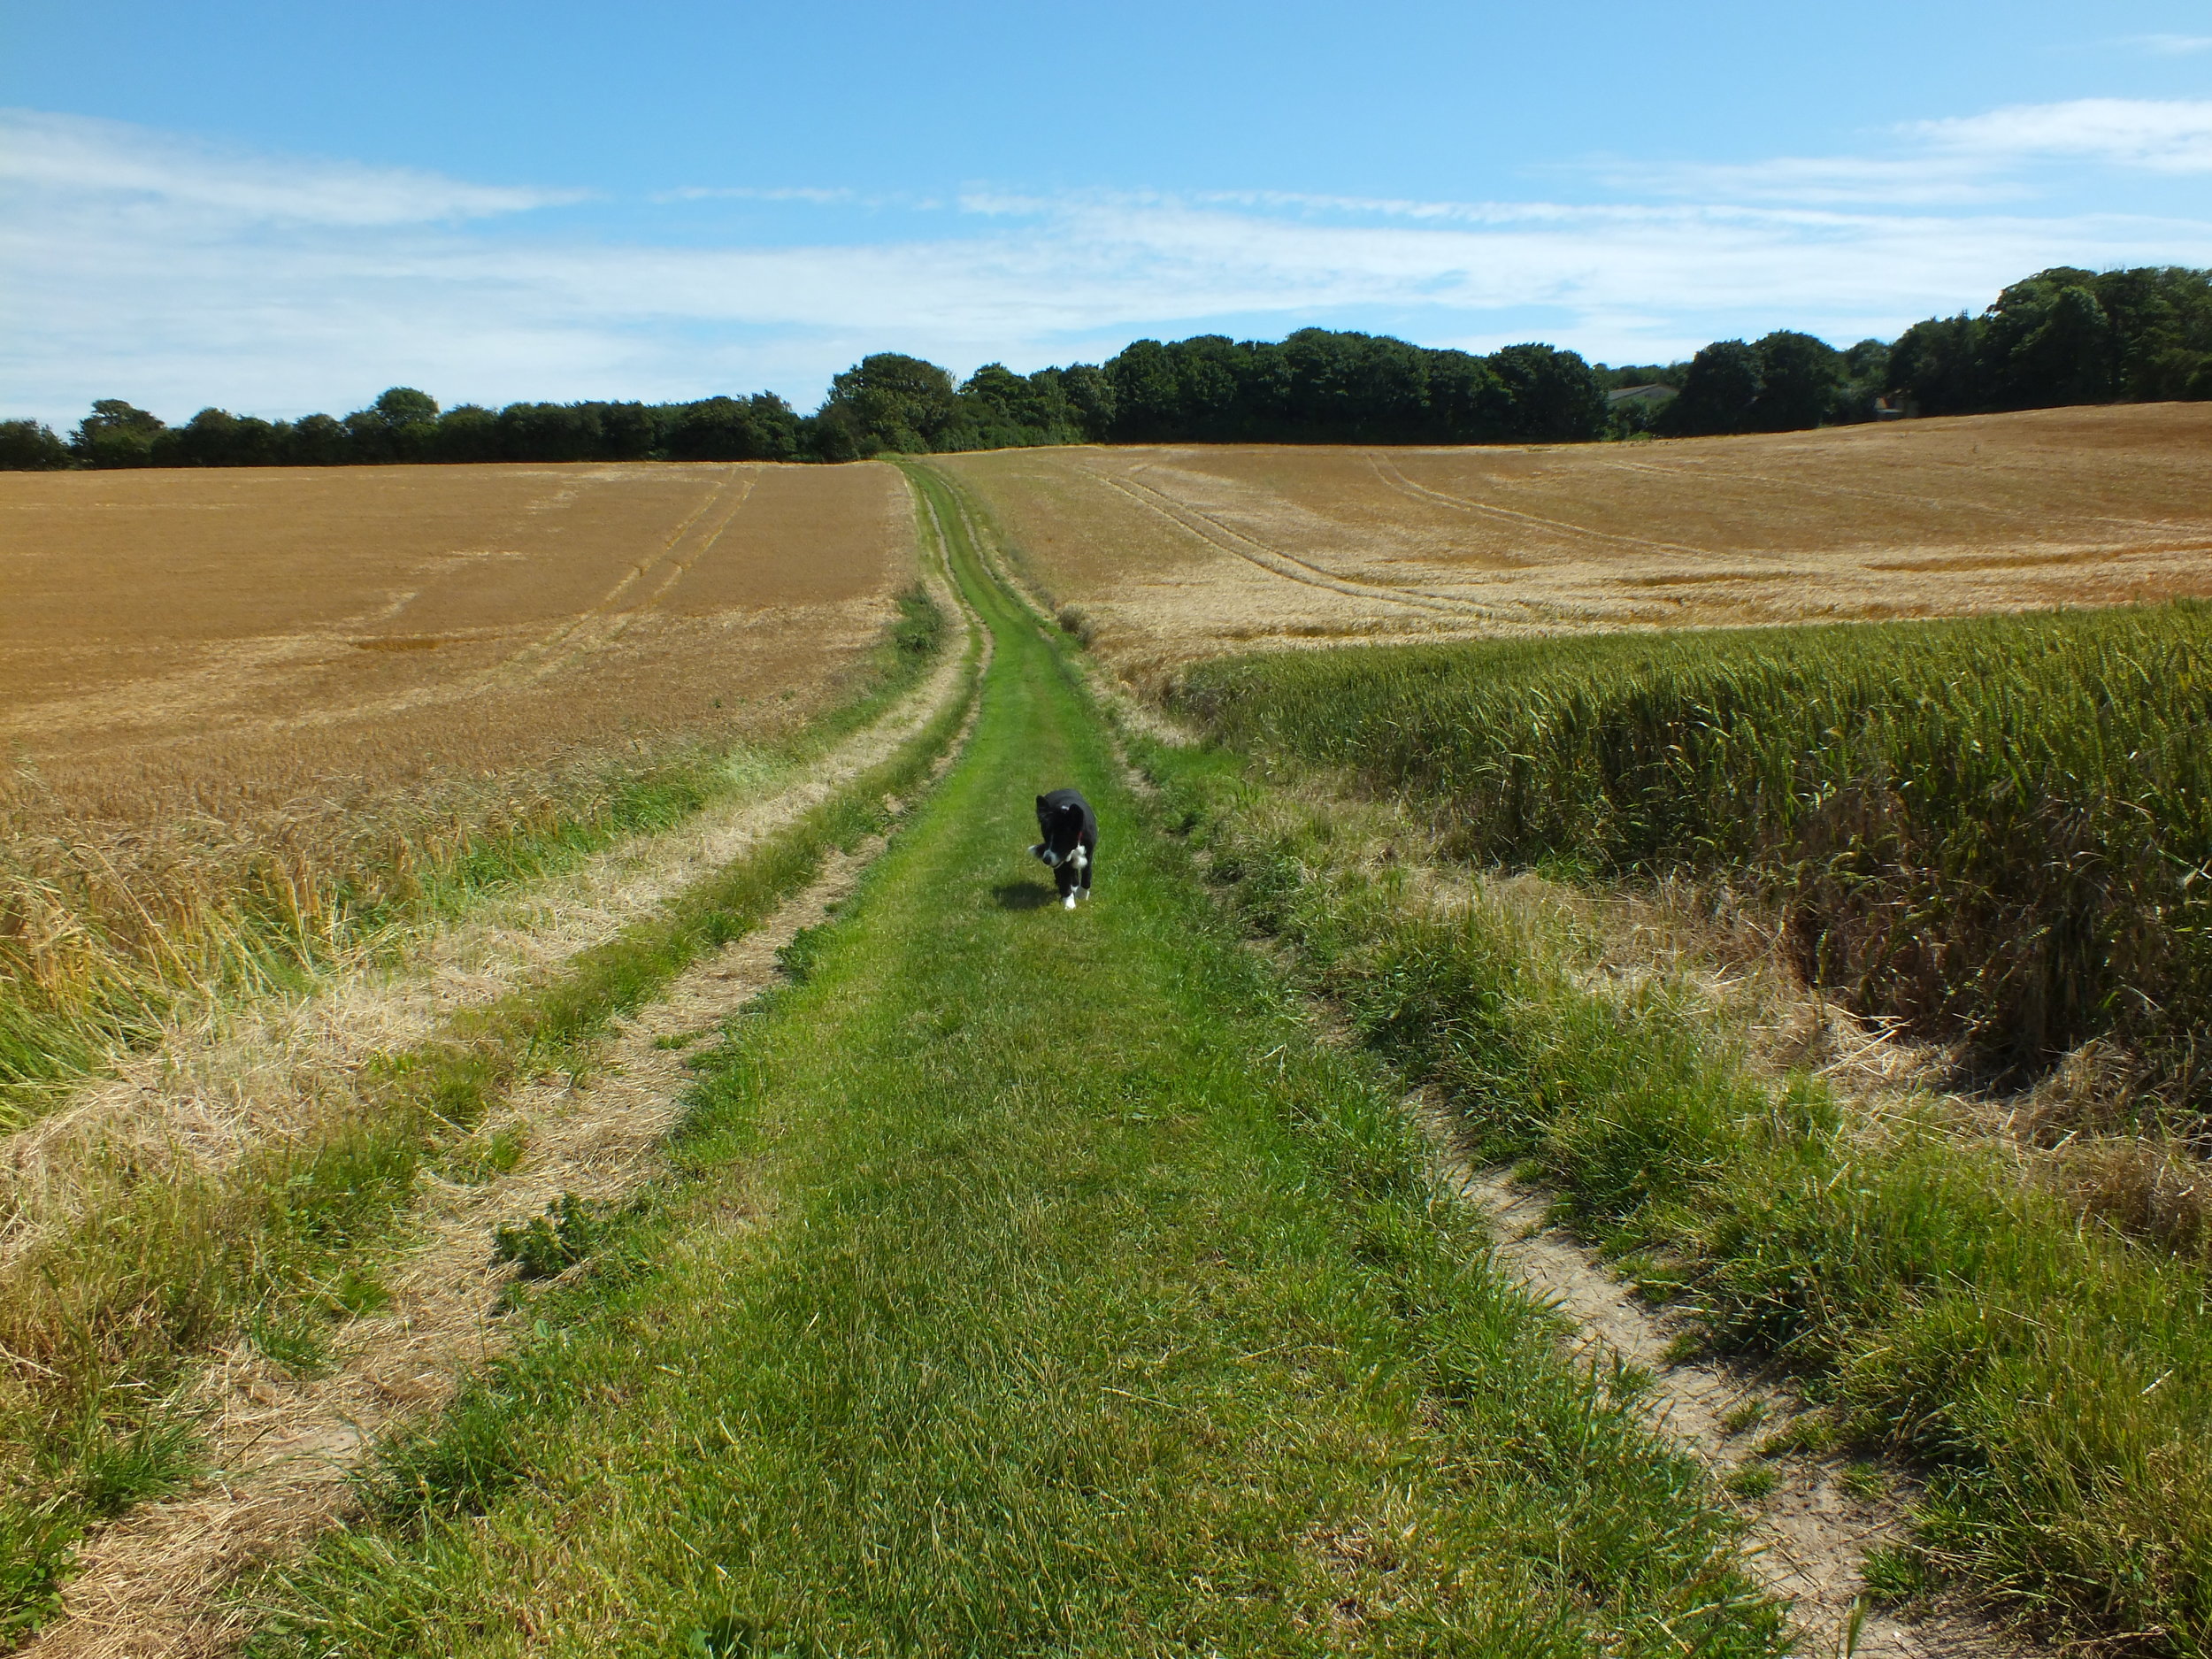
(1918, 1259)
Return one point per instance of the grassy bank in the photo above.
(1996, 830)
(2052, 1379)
(101, 1322)
(1037, 1284)
(96, 949)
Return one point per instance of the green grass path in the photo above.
(1034, 1283)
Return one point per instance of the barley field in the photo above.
(238, 707)
(1180, 552)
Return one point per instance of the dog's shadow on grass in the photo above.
(1023, 896)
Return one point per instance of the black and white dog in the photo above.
(1070, 848)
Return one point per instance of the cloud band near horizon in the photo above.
(139, 265)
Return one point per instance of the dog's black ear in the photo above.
(1040, 804)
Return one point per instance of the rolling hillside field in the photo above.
(1178, 551)
(239, 705)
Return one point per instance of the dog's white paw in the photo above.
(1069, 902)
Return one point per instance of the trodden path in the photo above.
(1034, 1283)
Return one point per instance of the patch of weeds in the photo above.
(799, 959)
(1812, 1433)
(1895, 1572)
(482, 1158)
(669, 1039)
(1629, 1382)
(569, 1231)
(1682, 1347)
(358, 1291)
(116, 1468)
(742, 1638)
(1530, 1172)
(1752, 1483)
(1077, 623)
(458, 1466)
(290, 1337)
(1864, 1480)
(34, 1555)
(1749, 1415)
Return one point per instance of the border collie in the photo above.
(1070, 848)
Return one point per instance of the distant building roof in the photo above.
(1651, 396)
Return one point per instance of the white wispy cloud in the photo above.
(2170, 45)
(134, 266)
(106, 160)
(2160, 135)
(813, 195)
(1976, 160)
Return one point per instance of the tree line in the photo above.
(2064, 335)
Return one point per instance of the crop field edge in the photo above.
(327, 1209)
(1800, 1245)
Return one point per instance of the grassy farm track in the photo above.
(1037, 1283)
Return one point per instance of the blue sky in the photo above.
(280, 208)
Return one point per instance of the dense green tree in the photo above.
(888, 401)
(401, 426)
(1147, 395)
(1090, 396)
(1937, 365)
(320, 441)
(1802, 383)
(1718, 393)
(215, 437)
(116, 433)
(30, 446)
(2047, 341)
(465, 433)
(1557, 399)
(762, 428)
(1467, 402)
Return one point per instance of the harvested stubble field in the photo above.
(234, 697)
(1180, 551)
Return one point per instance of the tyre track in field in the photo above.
(1237, 544)
(1810, 1536)
(1388, 474)
(601, 624)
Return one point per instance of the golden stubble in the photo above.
(320, 686)
(1176, 552)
